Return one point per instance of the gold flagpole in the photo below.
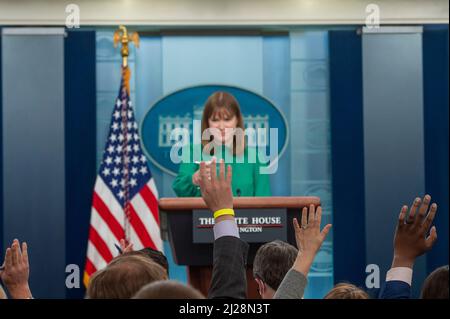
(121, 35)
(124, 37)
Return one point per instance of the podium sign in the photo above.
(255, 225)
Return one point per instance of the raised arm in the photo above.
(309, 239)
(412, 239)
(230, 253)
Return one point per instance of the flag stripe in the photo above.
(100, 244)
(116, 210)
(104, 232)
(107, 217)
(94, 256)
(151, 201)
(90, 268)
(152, 186)
(106, 196)
(148, 220)
(142, 233)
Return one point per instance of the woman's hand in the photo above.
(196, 176)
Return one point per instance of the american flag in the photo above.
(125, 199)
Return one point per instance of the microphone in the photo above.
(238, 192)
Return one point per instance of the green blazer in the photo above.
(247, 179)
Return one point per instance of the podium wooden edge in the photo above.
(189, 203)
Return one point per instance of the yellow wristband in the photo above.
(224, 211)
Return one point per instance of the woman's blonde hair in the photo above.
(346, 291)
(221, 103)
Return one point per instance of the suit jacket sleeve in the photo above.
(292, 287)
(229, 278)
(395, 289)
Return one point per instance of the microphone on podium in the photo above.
(238, 192)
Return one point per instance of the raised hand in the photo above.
(16, 271)
(413, 236)
(216, 190)
(309, 238)
(125, 247)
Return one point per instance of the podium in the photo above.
(187, 224)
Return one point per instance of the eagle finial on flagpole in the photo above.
(122, 35)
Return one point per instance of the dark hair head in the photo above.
(168, 289)
(346, 291)
(157, 257)
(222, 104)
(436, 284)
(123, 277)
(272, 261)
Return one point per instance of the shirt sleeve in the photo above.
(182, 185)
(226, 228)
(400, 274)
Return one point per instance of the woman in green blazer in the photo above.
(221, 115)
